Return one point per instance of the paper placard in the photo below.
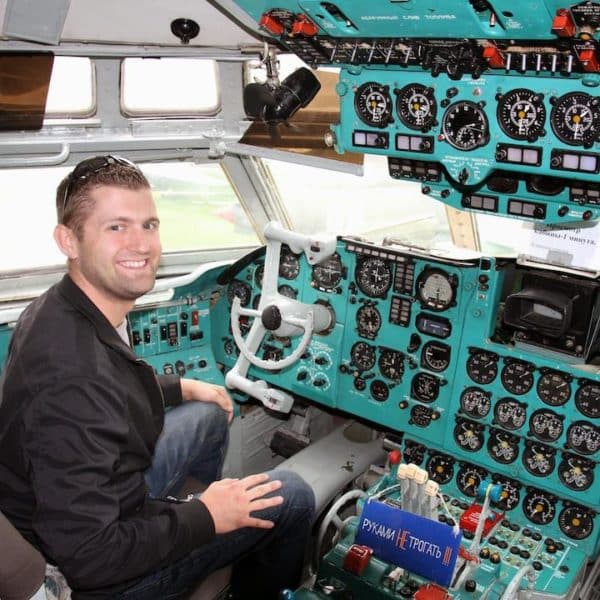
(575, 247)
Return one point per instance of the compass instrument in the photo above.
(575, 118)
(521, 114)
(465, 126)
(373, 104)
(374, 276)
(416, 106)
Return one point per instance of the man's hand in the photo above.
(200, 391)
(230, 501)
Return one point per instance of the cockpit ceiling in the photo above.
(119, 22)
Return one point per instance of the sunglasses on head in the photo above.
(90, 166)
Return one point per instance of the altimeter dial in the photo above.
(575, 118)
(373, 104)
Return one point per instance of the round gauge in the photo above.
(239, 289)
(521, 114)
(502, 446)
(575, 118)
(416, 106)
(475, 402)
(510, 494)
(436, 289)
(576, 522)
(435, 356)
(554, 388)
(391, 364)
(468, 435)
(374, 276)
(517, 377)
(259, 273)
(469, 478)
(587, 400)
(420, 415)
(287, 291)
(414, 452)
(510, 414)
(373, 104)
(482, 366)
(440, 468)
(539, 507)
(575, 472)
(539, 459)
(379, 390)
(328, 274)
(583, 437)
(425, 387)
(362, 356)
(465, 126)
(546, 425)
(368, 321)
(289, 264)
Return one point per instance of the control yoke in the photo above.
(279, 315)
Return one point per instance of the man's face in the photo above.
(118, 254)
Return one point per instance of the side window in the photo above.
(197, 205)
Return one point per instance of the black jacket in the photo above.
(79, 420)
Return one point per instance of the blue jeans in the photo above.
(264, 561)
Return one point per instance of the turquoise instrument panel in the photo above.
(426, 347)
(493, 107)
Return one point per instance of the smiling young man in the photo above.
(87, 454)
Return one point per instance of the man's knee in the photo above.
(203, 419)
(297, 494)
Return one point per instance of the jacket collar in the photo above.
(77, 298)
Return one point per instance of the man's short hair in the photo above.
(73, 200)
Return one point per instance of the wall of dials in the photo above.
(411, 351)
(525, 137)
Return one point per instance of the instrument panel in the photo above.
(417, 349)
(524, 149)
(492, 107)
